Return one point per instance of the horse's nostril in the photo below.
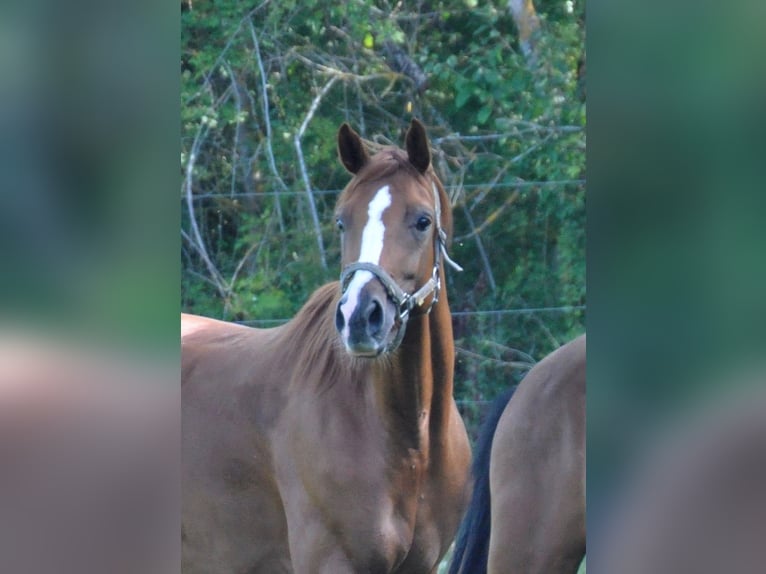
(340, 320)
(374, 317)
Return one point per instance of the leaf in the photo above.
(369, 41)
(462, 97)
(484, 114)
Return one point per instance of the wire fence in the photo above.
(449, 188)
(472, 409)
(490, 312)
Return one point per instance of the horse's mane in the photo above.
(316, 352)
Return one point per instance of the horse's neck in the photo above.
(415, 385)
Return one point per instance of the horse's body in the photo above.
(332, 443)
(534, 478)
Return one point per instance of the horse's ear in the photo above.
(351, 150)
(418, 150)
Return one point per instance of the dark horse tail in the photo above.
(472, 542)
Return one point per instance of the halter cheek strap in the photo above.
(407, 302)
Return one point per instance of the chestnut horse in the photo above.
(527, 513)
(332, 444)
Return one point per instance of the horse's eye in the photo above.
(339, 224)
(423, 223)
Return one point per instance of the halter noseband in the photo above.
(407, 302)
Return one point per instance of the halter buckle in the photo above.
(405, 307)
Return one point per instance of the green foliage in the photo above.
(508, 138)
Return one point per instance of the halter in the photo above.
(407, 302)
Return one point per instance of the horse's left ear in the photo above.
(418, 150)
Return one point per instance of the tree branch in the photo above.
(341, 75)
(521, 365)
(400, 61)
(482, 251)
(267, 123)
(491, 218)
(302, 163)
(229, 43)
(195, 238)
(237, 128)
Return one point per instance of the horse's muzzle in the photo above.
(364, 319)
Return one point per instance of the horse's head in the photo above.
(393, 217)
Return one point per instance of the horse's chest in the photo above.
(406, 537)
(363, 494)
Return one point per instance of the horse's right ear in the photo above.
(351, 150)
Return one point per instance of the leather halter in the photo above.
(404, 302)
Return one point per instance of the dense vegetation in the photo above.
(264, 89)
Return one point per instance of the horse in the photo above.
(527, 511)
(332, 444)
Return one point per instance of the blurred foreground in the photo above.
(89, 452)
(695, 499)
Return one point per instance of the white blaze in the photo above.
(372, 247)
